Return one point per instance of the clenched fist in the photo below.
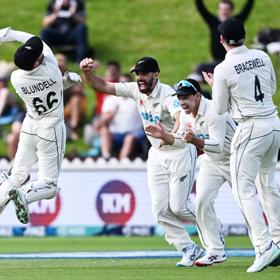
(88, 64)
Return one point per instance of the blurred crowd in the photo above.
(113, 127)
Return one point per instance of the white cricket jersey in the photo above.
(216, 130)
(159, 106)
(244, 84)
(41, 89)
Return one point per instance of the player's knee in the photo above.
(244, 193)
(159, 213)
(201, 201)
(53, 190)
(49, 187)
(178, 210)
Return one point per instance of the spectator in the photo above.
(74, 103)
(6, 68)
(112, 74)
(8, 105)
(268, 39)
(120, 127)
(126, 77)
(225, 11)
(91, 136)
(65, 24)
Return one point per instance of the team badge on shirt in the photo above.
(155, 104)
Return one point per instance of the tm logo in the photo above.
(115, 202)
(44, 212)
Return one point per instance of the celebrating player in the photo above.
(244, 84)
(39, 84)
(170, 167)
(201, 126)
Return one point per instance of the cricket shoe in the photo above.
(190, 254)
(5, 176)
(276, 262)
(265, 259)
(21, 206)
(210, 259)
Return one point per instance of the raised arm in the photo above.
(10, 35)
(220, 92)
(207, 16)
(88, 66)
(243, 15)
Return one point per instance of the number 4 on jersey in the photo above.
(258, 92)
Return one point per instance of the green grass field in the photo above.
(118, 269)
(170, 30)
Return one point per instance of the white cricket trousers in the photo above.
(211, 176)
(37, 144)
(170, 180)
(253, 161)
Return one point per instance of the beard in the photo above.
(145, 86)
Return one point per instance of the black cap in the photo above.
(146, 65)
(187, 87)
(233, 31)
(26, 55)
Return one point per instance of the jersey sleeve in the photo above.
(220, 91)
(272, 77)
(125, 89)
(243, 15)
(182, 126)
(217, 133)
(172, 104)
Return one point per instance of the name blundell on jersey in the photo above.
(38, 87)
(249, 65)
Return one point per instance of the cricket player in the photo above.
(244, 84)
(170, 167)
(211, 133)
(39, 83)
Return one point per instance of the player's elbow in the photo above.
(220, 109)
